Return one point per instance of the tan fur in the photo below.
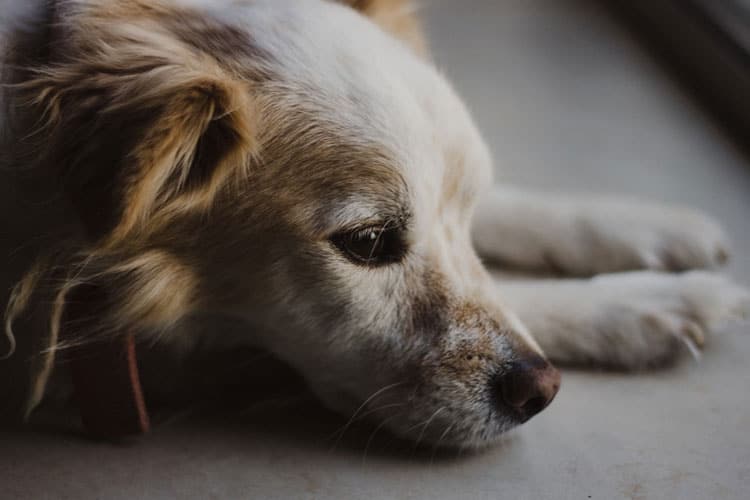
(142, 66)
(120, 60)
(18, 301)
(397, 17)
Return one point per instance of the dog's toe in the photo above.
(666, 316)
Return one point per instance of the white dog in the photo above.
(300, 166)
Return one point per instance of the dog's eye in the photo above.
(372, 246)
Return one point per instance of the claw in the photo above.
(694, 332)
(691, 345)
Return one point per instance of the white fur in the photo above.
(628, 320)
(585, 235)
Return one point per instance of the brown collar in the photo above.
(108, 389)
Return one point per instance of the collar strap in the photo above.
(108, 389)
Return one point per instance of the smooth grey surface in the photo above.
(567, 100)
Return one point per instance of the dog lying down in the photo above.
(300, 167)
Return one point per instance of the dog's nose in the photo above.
(528, 386)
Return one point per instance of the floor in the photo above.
(568, 100)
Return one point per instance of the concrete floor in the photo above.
(567, 100)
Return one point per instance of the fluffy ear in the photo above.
(140, 122)
(397, 17)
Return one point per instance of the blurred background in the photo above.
(650, 98)
(643, 97)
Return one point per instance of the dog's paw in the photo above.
(649, 319)
(625, 236)
(593, 236)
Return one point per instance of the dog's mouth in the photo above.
(448, 426)
(455, 414)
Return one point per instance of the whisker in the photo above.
(440, 440)
(372, 436)
(426, 424)
(346, 426)
(373, 410)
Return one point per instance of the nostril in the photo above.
(534, 405)
(527, 386)
(514, 388)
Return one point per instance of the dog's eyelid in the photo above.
(383, 222)
(373, 244)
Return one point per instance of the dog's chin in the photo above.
(457, 428)
(478, 434)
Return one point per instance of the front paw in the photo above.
(587, 237)
(652, 319)
(653, 237)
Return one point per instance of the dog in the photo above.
(301, 168)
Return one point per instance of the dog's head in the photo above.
(301, 167)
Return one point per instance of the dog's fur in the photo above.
(202, 158)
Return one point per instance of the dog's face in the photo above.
(356, 226)
(345, 244)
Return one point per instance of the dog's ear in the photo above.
(140, 122)
(397, 17)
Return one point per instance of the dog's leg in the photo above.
(627, 320)
(587, 236)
